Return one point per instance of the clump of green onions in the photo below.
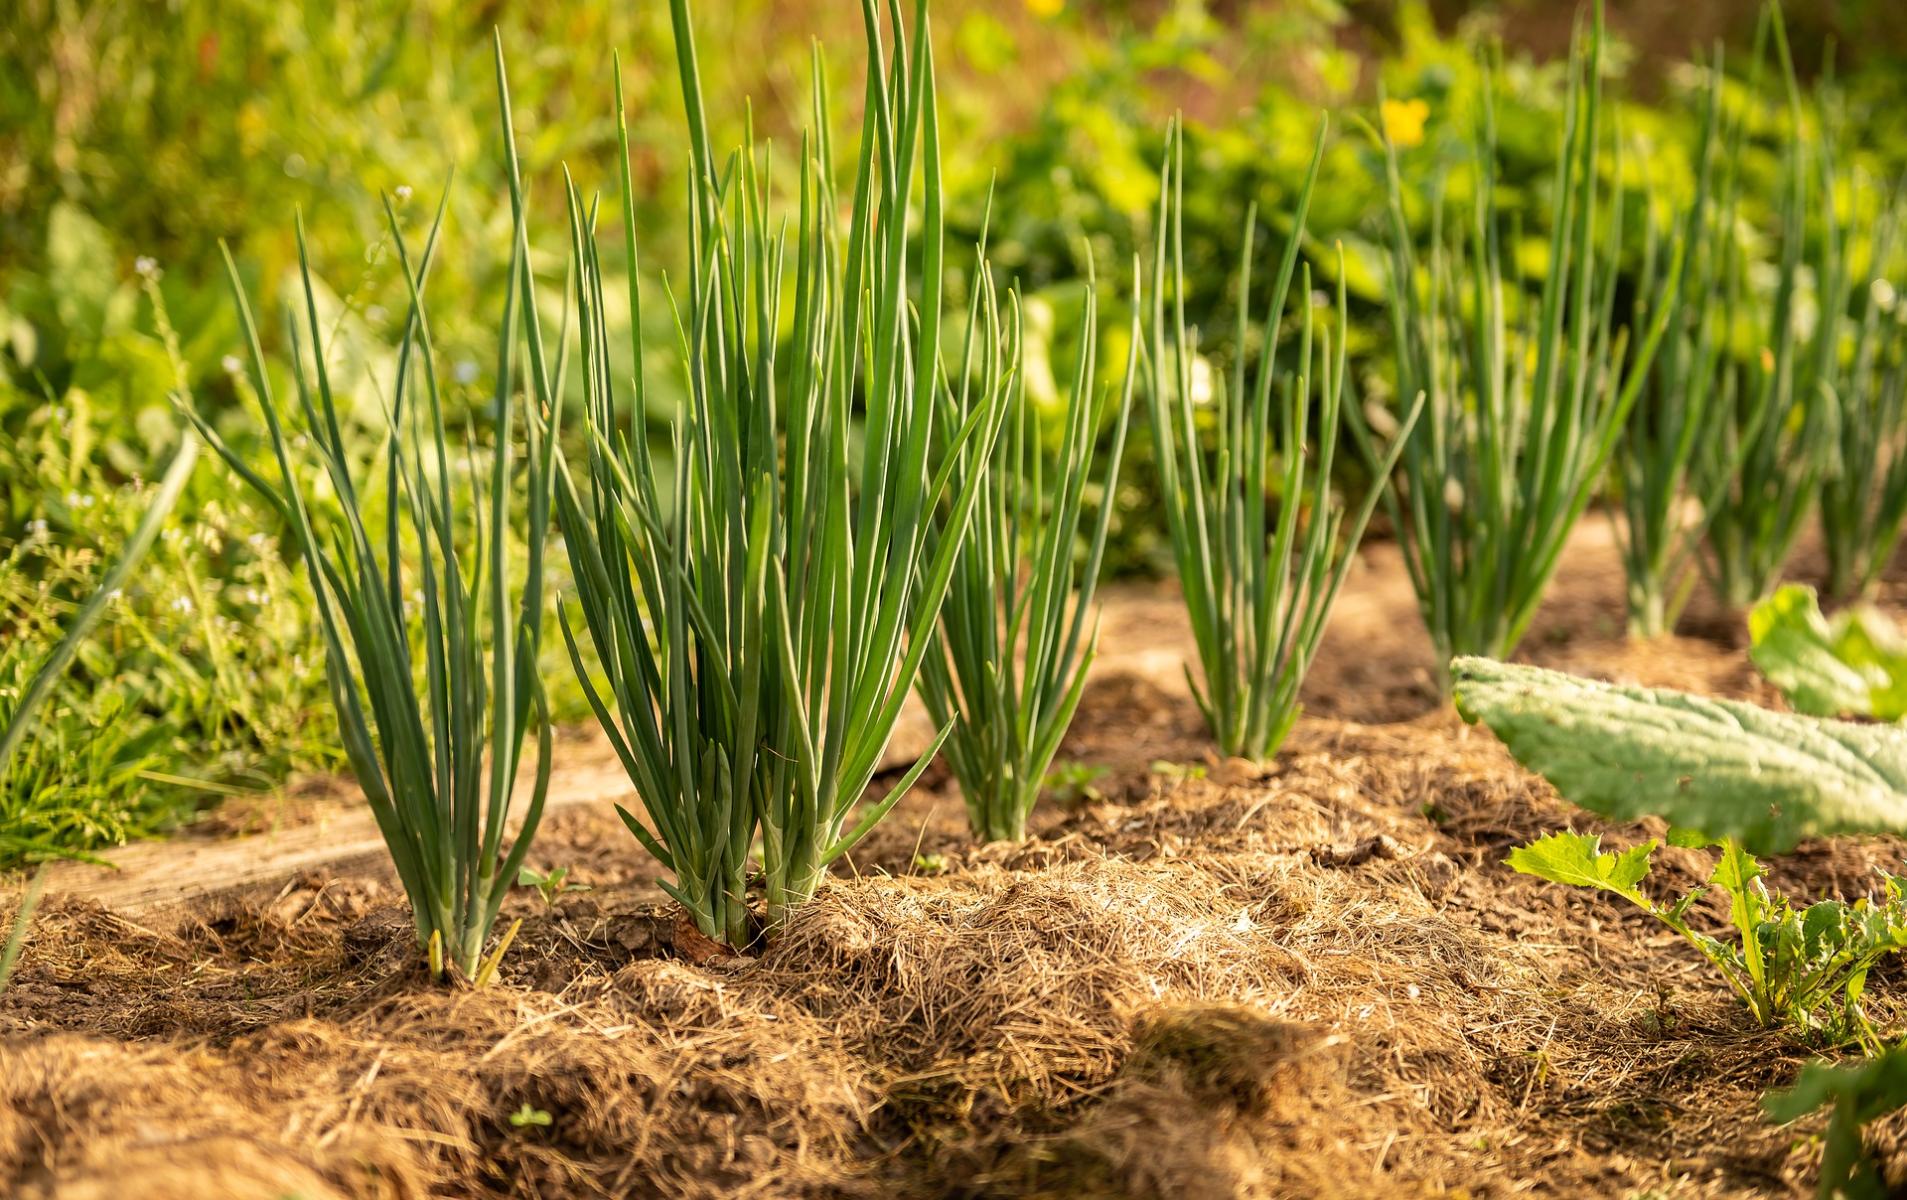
(1013, 645)
(1525, 401)
(1864, 498)
(1258, 583)
(1778, 437)
(762, 614)
(441, 807)
(1678, 419)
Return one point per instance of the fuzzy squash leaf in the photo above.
(1728, 769)
(1579, 860)
(1853, 665)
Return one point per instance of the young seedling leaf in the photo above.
(1579, 860)
(1729, 769)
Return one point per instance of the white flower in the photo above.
(1883, 294)
(465, 371)
(147, 266)
(231, 364)
(376, 314)
(182, 604)
(36, 527)
(403, 192)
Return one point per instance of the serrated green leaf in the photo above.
(1578, 859)
(1726, 768)
(1853, 665)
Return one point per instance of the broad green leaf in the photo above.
(1726, 768)
(1578, 859)
(1854, 665)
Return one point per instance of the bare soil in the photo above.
(1313, 978)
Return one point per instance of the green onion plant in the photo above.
(1864, 499)
(761, 605)
(1259, 581)
(436, 756)
(1778, 436)
(1013, 645)
(1678, 418)
(1526, 396)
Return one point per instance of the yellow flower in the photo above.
(1046, 8)
(1404, 122)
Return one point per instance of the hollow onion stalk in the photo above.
(1678, 419)
(1778, 442)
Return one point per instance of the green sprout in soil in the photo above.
(552, 885)
(1802, 968)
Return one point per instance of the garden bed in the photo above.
(1312, 979)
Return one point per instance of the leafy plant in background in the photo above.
(23, 711)
(761, 631)
(1258, 586)
(1852, 665)
(1525, 403)
(440, 807)
(1012, 645)
(201, 675)
(1803, 968)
